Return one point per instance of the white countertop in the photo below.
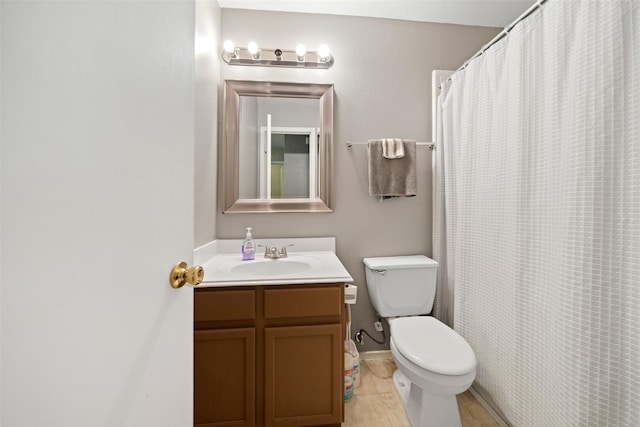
(309, 263)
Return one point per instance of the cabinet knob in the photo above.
(181, 275)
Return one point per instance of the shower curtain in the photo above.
(538, 215)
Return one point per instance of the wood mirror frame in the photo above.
(230, 162)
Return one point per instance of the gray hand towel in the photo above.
(392, 177)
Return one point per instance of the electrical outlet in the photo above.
(378, 326)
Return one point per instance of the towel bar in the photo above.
(418, 144)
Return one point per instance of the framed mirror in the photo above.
(277, 147)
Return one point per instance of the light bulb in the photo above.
(229, 47)
(323, 52)
(301, 50)
(252, 47)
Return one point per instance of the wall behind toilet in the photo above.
(382, 83)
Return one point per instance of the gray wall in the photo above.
(382, 78)
(206, 82)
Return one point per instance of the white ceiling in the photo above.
(487, 13)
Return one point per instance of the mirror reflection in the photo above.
(277, 146)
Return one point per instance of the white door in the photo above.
(308, 166)
(97, 207)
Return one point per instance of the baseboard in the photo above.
(489, 409)
(378, 354)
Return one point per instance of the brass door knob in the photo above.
(181, 275)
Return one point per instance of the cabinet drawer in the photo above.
(224, 305)
(302, 302)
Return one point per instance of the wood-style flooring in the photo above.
(377, 404)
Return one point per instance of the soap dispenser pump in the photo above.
(248, 247)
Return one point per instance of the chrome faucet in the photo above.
(273, 252)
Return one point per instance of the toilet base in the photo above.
(426, 409)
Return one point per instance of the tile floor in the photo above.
(377, 404)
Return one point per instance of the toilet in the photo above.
(434, 362)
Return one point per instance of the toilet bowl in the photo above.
(430, 373)
(434, 362)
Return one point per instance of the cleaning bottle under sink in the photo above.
(248, 247)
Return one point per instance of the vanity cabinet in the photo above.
(269, 355)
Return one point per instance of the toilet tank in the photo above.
(401, 285)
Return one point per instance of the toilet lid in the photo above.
(432, 345)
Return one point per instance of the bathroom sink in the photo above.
(271, 267)
(298, 267)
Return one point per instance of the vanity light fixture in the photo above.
(298, 58)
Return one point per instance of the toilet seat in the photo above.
(432, 345)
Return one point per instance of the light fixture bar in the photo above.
(277, 58)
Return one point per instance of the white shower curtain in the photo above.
(538, 215)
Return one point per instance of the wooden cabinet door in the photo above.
(303, 375)
(224, 377)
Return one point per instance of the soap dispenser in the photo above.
(248, 247)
